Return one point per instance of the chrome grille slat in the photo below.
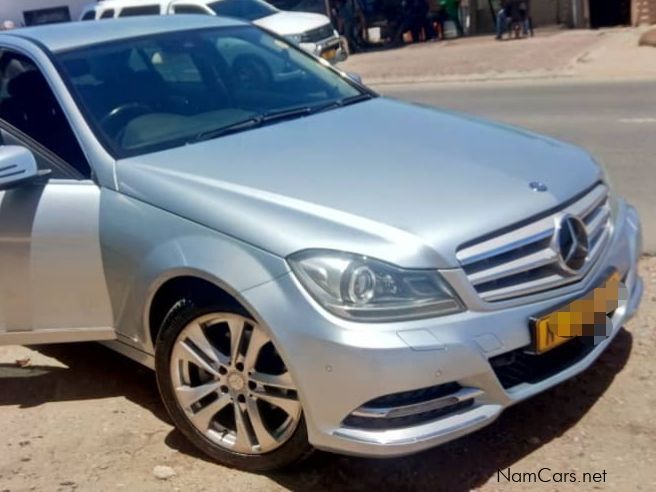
(596, 247)
(524, 261)
(526, 288)
(589, 203)
(535, 260)
(600, 219)
(498, 245)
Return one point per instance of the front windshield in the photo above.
(166, 90)
(243, 9)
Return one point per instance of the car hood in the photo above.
(287, 23)
(403, 183)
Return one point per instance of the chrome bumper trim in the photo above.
(465, 394)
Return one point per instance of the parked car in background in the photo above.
(311, 31)
(375, 298)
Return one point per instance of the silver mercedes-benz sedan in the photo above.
(303, 263)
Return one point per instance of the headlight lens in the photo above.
(614, 202)
(357, 287)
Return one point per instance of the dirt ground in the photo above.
(82, 417)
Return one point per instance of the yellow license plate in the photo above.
(329, 55)
(583, 317)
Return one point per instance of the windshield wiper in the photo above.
(356, 99)
(272, 116)
(252, 122)
(283, 114)
(340, 103)
(226, 130)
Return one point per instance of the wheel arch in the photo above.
(196, 285)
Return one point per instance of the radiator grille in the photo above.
(318, 34)
(525, 260)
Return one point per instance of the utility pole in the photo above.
(493, 14)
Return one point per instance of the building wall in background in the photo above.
(643, 12)
(15, 10)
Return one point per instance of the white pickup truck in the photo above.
(312, 32)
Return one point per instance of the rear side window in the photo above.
(142, 10)
(89, 15)
(189, 9)
(107, 14)
(243, 9)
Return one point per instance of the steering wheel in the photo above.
(252, 72)
(121, 115)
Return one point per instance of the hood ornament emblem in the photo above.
(538, 186)
(570, 241)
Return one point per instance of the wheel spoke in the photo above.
(188, 395)
(236, 333)
(192, 355)
(264, 438)
(203, 417)
(242, 435)
(196, 334)
(288, 405)
(257, 341)
(282, 381)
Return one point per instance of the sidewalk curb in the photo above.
(476, 78)
(482, 79)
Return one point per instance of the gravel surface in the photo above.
(80, 417)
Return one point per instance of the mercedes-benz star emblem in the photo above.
(570, 241)
(538, 186)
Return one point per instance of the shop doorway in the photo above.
(604, 13)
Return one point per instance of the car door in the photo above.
(52, 282)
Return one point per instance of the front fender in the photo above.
(144, 246)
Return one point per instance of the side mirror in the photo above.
(354, 77)
(18, 167)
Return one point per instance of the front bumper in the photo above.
(340, 365)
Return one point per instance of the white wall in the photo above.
(13, 9)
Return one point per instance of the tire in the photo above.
(218, 436)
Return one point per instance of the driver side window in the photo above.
(28, 104)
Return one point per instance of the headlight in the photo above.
(294, 38)
(360, 288)
(612, 196)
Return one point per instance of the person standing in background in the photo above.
(407, 22)
(422, 12)
(436, 17)
(452, 9)
(347, 13)
(525, 16)
(502, 18)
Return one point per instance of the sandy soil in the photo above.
(82, 417)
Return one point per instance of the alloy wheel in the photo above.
(232, 384)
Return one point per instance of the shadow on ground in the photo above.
(95, 372)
